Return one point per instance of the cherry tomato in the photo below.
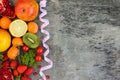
(38, 58)
(25, 48)
(39, 50)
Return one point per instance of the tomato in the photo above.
(39, 50)
(25, 48)
(38, 58)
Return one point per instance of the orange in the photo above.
(5, 40)
(17, 41)
(5, 22)
(12, 52)
(32, 27)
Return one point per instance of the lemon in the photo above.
(18, 28)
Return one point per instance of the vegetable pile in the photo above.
(20, 48)
(28, 58)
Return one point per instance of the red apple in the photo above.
(26, 10)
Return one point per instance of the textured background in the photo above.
(85, 39)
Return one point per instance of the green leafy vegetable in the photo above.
(28, 58)
(1, 56)
(18, 77)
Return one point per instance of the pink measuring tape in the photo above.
(45, 23)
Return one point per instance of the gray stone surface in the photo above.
(85, 39)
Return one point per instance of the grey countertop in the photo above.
(85, 39)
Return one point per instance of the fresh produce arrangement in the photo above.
(20, 48)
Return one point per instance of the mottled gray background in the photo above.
(85, 39)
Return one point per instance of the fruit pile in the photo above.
(20, 47)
